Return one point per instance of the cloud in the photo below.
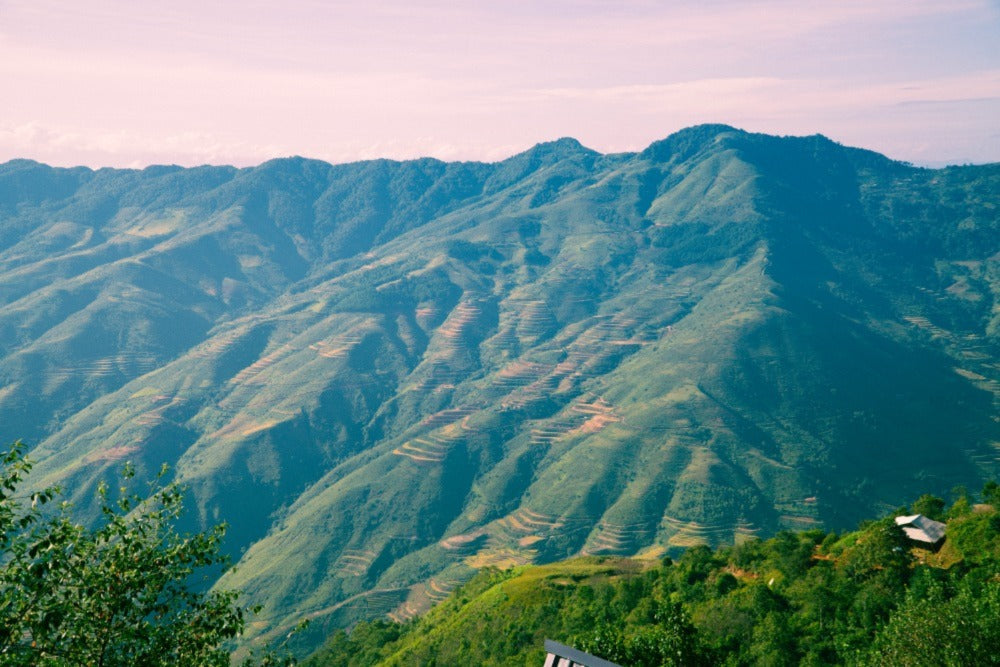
(774, 93)
(427, 118)
(192, 81)
(70, 147)
(131, 149)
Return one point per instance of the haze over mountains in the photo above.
(385, 375)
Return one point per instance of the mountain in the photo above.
(387, 375)
(868, 597)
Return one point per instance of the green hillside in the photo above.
(813, 598)
(386, 376)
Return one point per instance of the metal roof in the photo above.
(560, 655)
(921, 529)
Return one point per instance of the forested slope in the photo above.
(813, 598)
(386, 376)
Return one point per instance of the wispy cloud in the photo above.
(114, 81)
(127, 148)
(798, 95)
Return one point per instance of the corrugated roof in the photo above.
(921, 529)
(560, 655)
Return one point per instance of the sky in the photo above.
(127, 83)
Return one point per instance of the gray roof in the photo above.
(560, 655)
(921, 529)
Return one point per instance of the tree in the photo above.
(670, 640)
(930, 506)
(991, 494)
(119, 593)
(934, 630)
(881, 550)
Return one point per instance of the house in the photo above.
(920, 529)
(560, 655)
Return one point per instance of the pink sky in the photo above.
(126, 83)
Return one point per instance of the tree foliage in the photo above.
(812, 598)
(121, 593)
(935, 630)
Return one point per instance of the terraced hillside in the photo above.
(385, 376)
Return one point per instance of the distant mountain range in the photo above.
(386, 375)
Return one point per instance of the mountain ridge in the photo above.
(387, 373)
(680, 138)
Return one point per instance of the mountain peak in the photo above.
(563, 143)
(686, 143)
(541, 156)
(558, 149)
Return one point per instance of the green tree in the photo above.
(881, 549)
(117, 594)
(991, 494)
(930, 506)
(933, 630)
(671, 640)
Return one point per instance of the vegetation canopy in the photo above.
(121, 593)
(867, 597)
